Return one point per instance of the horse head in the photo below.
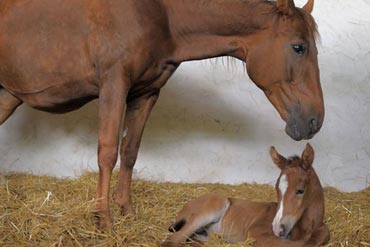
(282, 61)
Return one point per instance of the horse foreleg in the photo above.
(137, 113)
(112, 98)
(8, 104)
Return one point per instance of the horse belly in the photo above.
(61, 98)
(43, 44)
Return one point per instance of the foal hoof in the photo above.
(170, 244)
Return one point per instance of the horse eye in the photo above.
(299, 192)
(299, 49)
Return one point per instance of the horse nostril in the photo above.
(313, 125)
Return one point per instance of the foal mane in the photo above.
(293, 161)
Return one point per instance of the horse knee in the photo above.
(107, 156)
(129, 159)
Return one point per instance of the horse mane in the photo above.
(272, 9)
(267, 7)
(306, 17)
(310, 23)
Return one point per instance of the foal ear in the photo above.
(309, 6)
(308, 156)
(279, 160)
(285, 6)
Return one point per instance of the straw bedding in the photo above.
(45, 211)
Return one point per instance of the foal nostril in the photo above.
(282, 230)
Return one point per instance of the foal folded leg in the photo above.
(137, 113)
(197, 216)
(267, 239)
(112, 98)
(8, 104)
(320, 237)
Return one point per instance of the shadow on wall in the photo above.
(184, 110)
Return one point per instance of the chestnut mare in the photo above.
(295, 220)
(57, 55)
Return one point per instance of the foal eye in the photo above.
(299, 49)
(299, 192)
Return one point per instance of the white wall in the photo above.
(212, 124)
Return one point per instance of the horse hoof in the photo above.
(103, 222)
(127, 210)
(104, 226)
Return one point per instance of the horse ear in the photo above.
(279, 160)
(308, 156)
(309, 6)
(285, 6)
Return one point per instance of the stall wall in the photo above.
(212, 124)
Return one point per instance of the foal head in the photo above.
(282, 61)
(294, 189)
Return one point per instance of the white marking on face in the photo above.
(283, 186)
(125, 132)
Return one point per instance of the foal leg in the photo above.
(201, 214)
(320, 237)
(276, 242)
(8, 104)
(137, 114)
(267, 239)
(112, 98)
(191, 225)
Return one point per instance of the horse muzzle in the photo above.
(303, 126)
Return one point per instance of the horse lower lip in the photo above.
(293, 133)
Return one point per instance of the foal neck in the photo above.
(211, 28)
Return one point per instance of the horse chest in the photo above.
(153, 79)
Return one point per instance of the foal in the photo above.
(295, 220)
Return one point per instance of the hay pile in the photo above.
(45, 211)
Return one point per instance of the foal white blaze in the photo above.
(276, 224)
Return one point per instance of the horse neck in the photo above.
(204, 29)
(313, 216)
